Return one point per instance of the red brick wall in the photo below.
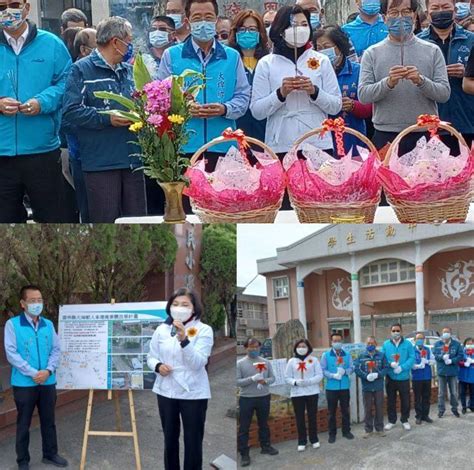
(283, 428)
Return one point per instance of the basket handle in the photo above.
(221, 139)
(415, 127)
(349, 130)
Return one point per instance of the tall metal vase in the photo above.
(174, 212)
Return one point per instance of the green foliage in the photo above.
(125, 102)
(141, 76)
(218, 269)
(102, 261)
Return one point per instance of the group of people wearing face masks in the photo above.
(399, 365)
(179, 353)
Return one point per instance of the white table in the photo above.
(384, 215)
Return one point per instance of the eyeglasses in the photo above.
(396, 13)
(250, 29)
(223, 35)
(11, 5)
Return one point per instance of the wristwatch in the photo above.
(422, 80)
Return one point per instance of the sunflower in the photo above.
(313, 63)
(191, 332)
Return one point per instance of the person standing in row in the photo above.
(421, 376)
(371, 367)
(179, 353)
(254, 375)
(175, 9)
(304, 374)
(400, 354)
(448, 352)
(466, 377)
(337, 368)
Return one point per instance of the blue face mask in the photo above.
(35, 309)
(315, 20)
(177, 18)
(337, 346)
(331, 53)
(248, 39)
(370, 7)
(371, 348)
(399, 27)
(419, 342)
(128, 53)
(463, 10)
(159, 38)
(253, 354)
(203, 30)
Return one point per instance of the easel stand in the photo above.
(118, 432)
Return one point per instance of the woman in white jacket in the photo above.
(179, 352)
(294, 97)
(304, 373)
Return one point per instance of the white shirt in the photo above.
(298, 114)
(188, 379)
(312, 374)
(17, 44)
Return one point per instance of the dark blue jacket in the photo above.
(425, 373)
(251, 126)
(381, 367)
(456, 354)
(466, 374)
(458, 110)
(101, 146)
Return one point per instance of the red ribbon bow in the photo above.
(260, 366)
(302, 366)
(340, 360)
(446, 348)
(432, 122)
(239, 136)
(396, 357)
(423, 353)
(338, 126)
(371, 365)
(469, 352)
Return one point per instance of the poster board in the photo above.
(104, 346)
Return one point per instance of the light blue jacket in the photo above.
(406, 360)
(38, 72)
(30, 349)
(225, 83)
(329, 365)
(363, 35)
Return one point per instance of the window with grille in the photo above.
(387, 272)
(280, 287)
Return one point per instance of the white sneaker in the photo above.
(301, 448)
(316, 445)
(406, 426)
(388, 426)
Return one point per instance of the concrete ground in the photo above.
(447, 443)
(105, 453)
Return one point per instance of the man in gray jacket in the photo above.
(402, 76)
(254, 375)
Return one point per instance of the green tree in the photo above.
(218, 273)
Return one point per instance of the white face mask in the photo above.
(297, 36)
(181, 314)
(302, 351)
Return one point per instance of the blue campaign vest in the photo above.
(219, 87)
(422, 374)
(331, 361)
(466, 374)
(33, 346)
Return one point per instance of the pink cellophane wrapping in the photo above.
(235, 185)
(428, 172)
(322, 178)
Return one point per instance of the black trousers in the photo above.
(343, 397)
(115, 193)
(310, 404)
(403, 389)
(40, 177)
(27, 399)
(193, 416)
(422, 392)
(466, 394)
(261, 406)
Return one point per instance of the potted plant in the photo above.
(159, 111)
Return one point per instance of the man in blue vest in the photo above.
(421, 376)
(448, 353)
(32, 349)
(33, 69)
(368, 28)
(226, 94)
(337, 367)
(456, 44)
(400, 354)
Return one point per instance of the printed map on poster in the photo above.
(104, 346)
